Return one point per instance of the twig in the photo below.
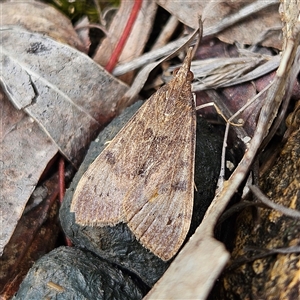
(166, 33)
(265, 200)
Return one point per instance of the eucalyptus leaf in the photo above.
(62, 89)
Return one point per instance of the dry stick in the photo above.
(262, 253)
(120, 45)
(204, 256)
(281, 208)
(166, 33)
(150, 57)
(223, 156)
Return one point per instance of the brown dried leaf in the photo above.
(40, 17)
(261, 25)
(245, 22)
(187, 12)
(25, 152)
(61, 88)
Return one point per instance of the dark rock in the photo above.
(69, 273)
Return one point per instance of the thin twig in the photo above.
(265, 200)
(166, 33)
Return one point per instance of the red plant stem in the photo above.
(61, 176)
(120, 45)
(61, 182)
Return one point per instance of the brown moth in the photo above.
(145, 176)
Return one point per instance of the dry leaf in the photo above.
(187, 12)
(25, 152)
(61, 88)
(40, 17)
(244, 22)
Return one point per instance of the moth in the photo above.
(145, 176)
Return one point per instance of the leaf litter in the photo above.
(212, 248)
(59, 88)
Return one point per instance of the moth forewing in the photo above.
(161, 216)
(92, 199)
(145, 176)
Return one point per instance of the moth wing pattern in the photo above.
(98, 186)
(160, 214)
(145, 176)
(106, 181)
